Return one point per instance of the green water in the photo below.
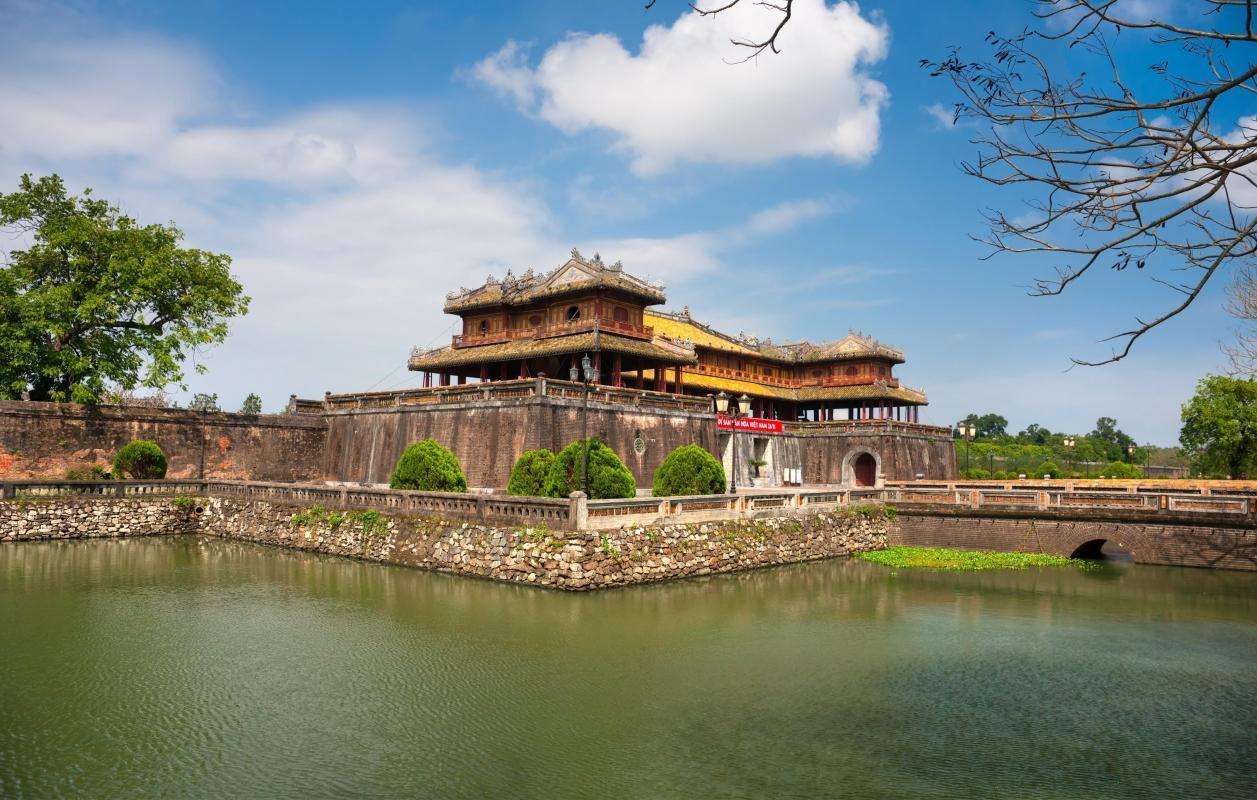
(189, 667)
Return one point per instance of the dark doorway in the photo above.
(1100, 550)
(865, 468)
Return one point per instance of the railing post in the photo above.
(344, 497)
(7, 491)
(481, 508)
(578, 511)
(120, 490)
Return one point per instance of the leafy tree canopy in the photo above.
(204, 402)
(99, 299)
(252, 405)
(1220, 426)
(989, 426)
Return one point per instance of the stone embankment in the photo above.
(571, 560)
(98, 518)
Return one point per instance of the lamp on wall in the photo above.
(742, 409)
(589, 373)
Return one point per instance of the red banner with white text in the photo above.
(749, 424)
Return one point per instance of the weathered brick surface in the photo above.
(1210, 541)
(44, 440)
(363, 446)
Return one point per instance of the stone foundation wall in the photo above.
(45, 440)
(98, 518)
(540, 556)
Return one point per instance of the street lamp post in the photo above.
(967, 432)
(1069, 451)
(1130, 453)
(743, 409)
(587, 374)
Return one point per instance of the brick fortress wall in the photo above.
(364, 445)
(44, 440)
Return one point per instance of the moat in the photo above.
(199, 667)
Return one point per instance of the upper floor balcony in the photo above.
(644, 332)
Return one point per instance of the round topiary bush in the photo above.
(689, 469)
(978, 474)
(528, 476)
(428, 467)
(140, 460)
(1046, 469)
(608, 477)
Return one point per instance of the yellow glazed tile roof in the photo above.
(853, 345)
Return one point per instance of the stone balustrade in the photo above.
(577, 513)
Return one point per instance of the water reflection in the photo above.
(203, 667)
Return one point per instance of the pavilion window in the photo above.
(573, 313)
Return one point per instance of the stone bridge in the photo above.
(1149, 535)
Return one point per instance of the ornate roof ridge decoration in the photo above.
(576, 274)
(854, 345)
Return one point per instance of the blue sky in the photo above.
(357, 164)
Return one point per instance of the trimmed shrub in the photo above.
(608, 477)
(689, 469)
(428, 467)
(528, 476)
(1120, 469)
(140, 460)
(977, 474)
(1047, 468)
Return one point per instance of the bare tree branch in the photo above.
(756, 46)
(1119, 179)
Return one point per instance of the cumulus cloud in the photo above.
(679, 99)
(343, 227)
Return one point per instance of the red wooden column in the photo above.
(617, 378)
(680, 385)
(461, 380)
(445, 378)
(661, 378)
(523, 368)
(484, 373)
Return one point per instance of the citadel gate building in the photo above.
(827, 413)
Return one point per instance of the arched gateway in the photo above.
(861, 468)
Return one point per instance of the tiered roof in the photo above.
(576, 274)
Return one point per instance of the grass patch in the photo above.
(964, 560)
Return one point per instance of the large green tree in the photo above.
(98, 299)
(1220, 425)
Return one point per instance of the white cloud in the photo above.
(345, 231)
(507, 73)
(679, 98)
(945, 117)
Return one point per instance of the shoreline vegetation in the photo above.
(940, 558)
